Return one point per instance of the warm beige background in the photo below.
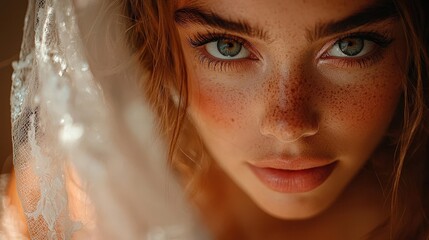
(11, 24)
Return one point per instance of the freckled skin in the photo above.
(290, 104)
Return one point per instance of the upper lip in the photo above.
(292, 164)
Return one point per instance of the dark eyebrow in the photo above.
(371, 14)
(196, 15)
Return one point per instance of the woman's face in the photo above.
(291, 98)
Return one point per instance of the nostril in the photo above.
(288, 133)
(311, 131)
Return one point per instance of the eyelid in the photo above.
(199, 42)
(364, 52)
(381, 40)
(201, 39)
(213, 49)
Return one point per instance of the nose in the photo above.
(289, 113)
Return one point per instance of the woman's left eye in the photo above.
(351, 47)
(227, 49)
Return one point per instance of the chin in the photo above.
(295, 213)
(294, 206)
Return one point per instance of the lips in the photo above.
(292, 177)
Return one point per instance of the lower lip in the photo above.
(293, 181)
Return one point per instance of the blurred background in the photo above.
(11, 25)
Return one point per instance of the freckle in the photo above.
(232, 120)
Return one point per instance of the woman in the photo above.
(295, 120)
(306, 111)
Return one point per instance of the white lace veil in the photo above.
(88, 162)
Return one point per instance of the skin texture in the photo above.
(288, 101)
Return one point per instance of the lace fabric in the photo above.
(88, 162)
(10, 225)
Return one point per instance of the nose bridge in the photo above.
(292, 91)
(289, 114)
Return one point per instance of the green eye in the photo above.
(351, 46)
(228, 49)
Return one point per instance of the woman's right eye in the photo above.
(227, 49)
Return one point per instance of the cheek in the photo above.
(223, 118)
(363, 111)
(361, 104)
(372, 96)
(217, 105)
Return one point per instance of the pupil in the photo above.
(351, 46)
(228, 48)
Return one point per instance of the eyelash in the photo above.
(381, 41)
(199, 40)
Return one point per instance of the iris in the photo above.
(351, 46)
(228, 47)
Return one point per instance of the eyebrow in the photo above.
(196, 15)
(368, 15)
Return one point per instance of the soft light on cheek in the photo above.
(213, 103)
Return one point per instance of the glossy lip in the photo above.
(297, 176)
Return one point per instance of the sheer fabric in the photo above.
(88, 162)
(10, 225)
